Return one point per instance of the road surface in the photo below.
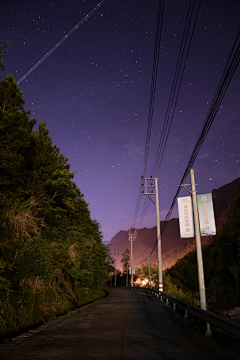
(126, 325)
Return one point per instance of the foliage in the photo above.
(221, 262)
(51, 253)
(32, 261)
(142, 275)
(172, 289)
(3, 47)
(125, 260)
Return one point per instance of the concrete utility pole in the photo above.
(152, 189)
(116, 252)
(131, 237)
(201, 282)
(149, 273)
(198, 244)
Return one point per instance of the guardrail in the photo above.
(219, 322)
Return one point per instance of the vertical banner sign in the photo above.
(185, 217)
(133, 270)
(206, 215)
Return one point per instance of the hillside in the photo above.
(173, 247)
(52, 258)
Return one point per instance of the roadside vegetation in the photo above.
(221, 261)
(52, 258)
(221, 265)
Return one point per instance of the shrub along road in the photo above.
(125, 325)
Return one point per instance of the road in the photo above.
(126, 325)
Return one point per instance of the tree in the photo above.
(143, 275)
(3, 47)
(125, 261)
(16, 139)
(221, 261)
(51, 253)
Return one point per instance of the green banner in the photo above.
(206, 215)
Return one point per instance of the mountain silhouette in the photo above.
(173, 247)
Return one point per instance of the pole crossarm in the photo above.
(150, 198)
(149, 187)
(185, 187)
(131, 237)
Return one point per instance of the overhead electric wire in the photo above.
(148, 255)
(61, 41)
(143, 213)
(175, 89)
(177, 82)
(151, 101)
(226, 77)
(137, 207)
(146, 250)
(153, 82)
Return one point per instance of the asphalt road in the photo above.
(126, 325)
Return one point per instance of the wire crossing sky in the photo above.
(188, 31)
(230, 68)
(224, 82)
(61, 41)
(151, 101)
(93, 95)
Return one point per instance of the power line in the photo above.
(151, 101)
(186, 41)
(226, 77)
(190, 24)
(149, 254)
(61, 41)
(153, 82)
(224, 82)
(154, 243)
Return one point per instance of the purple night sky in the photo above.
(93, 93)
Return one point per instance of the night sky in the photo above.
(93, 93)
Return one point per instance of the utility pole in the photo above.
(201, 282)
(152, 189)
(116, 252)
(149, 273)
(131, 237)
(198, 244)
(127, 276)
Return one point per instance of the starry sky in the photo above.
(93, 93)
